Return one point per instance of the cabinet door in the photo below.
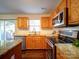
(35, 42)
(22, 22)
(29, 42)
(61, 6)
(73, 11)
(39, 42)
(46, 23)
(43, 43)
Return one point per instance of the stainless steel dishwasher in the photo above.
(23, 38)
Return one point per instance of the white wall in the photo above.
(25, 32)
(14, 16)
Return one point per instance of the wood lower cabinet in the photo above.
(29, 42)
(46, 23)
(36, 42)
(14, 53)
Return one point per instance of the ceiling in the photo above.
(27, 6)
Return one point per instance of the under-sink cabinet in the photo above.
(36, 42)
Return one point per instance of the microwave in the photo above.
(61, 19)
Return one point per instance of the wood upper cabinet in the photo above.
(73, 11)
(35, 42)
(22, 22)
(73, 6)
(46, 23)
(59, 8)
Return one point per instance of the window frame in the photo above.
(4, 22)
(39, 25)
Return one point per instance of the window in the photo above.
(34, 25)
(1, 29)
(7, 28)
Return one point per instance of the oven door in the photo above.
(65, 39)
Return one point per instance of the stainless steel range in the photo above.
(68, 36)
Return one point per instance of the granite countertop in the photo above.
(69, 50)
(48, 35)
(5, 46)
(20, 35)
(35, 35)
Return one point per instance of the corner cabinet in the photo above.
(22, 22)
(46, 23)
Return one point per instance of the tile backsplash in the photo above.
(45, 32)
(27, 32)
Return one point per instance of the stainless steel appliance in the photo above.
(23, 38)
(68, 36)
(65, 36)
(53, 47)
(61, 19)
